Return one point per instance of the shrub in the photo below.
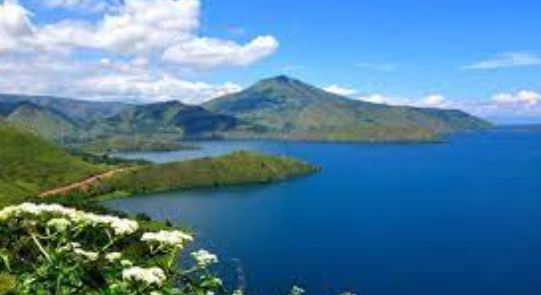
(51, 249)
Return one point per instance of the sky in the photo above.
(482, 56)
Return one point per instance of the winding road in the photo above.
(81, 185)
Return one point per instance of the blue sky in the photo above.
(479, 55)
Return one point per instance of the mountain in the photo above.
(284, 107)
(46, 123)
(30, 164)
(80, 111)
(170, 117)
(276, 108)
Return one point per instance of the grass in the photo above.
(238, 168)
(30, 164)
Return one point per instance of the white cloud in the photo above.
(166, 29)
(429, 101)
(344, 91)
(375, 98)
(506, 60)
(205, 53)
(526, 98)
(83, 5)
(103, 80)
(502, 107)
(140, 50)
(15, 25)
(434, 100)
(149, 88)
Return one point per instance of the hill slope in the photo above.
(288, 108)
(79, 111)
(29, 165)
(238, 168)
(167, 117)
(46, 123)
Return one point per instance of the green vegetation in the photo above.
(46, 123)
(29, 165)
(136, 143)
(275, 108)
(166, 118)
(79, 111)
(286, 108)
(51, 249)
(238, 168)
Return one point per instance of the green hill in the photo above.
(238, 168)
(46, 123)
(29, 165)
(79, 111)
(287, 108)
(171, 117)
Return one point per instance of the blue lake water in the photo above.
(457, 218)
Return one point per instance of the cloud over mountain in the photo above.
(134, 48)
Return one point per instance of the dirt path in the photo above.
(81, 185)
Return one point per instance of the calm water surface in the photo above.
(457, 218)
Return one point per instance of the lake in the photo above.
(385, 219)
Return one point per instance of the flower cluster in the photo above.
(68, 246)
(170, 238)
(59, 224)
(119, 226)
(203, 258)
(76, 248)
(113, 256)
(148, 276)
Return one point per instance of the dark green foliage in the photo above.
(105, 159)
(287, 108)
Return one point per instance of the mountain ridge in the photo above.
(279, 107)
(290, 108)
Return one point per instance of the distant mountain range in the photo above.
(275, 108)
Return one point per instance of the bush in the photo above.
(51, 249)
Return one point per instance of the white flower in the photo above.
(59, 224)
(124, 226)
(203, 258)
(119, 226)
(126, 263)
(92, 256)
(149, 276)
(170, 238)
(75, 248)
(297, 291)
(8, 212)
(113, 256)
